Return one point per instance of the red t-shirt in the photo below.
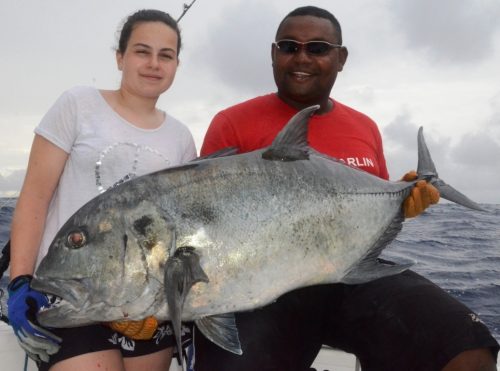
(343, 133)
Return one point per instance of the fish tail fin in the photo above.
(427, 170)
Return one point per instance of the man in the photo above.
(398, 323)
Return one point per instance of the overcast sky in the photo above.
(411, 63)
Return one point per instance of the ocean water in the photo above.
(456, 248)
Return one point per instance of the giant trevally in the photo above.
(231, 233)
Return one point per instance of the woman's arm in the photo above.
(45, 166)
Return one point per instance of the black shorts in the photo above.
(403, 322)
(88, 339)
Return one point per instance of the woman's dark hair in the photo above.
(146, 15)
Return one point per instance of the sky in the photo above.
(411, 63)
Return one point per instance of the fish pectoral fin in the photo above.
(182, 271)
(221, 330)
(370, 268)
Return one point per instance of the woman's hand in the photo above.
(23, 305)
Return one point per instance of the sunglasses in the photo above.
(311, 47)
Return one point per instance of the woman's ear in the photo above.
(119, 60)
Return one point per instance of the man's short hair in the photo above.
(315, 12)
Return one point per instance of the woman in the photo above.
(87, 142)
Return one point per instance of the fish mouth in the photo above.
(62, 313)
(73, 291)
(68, 302)
(71, 304)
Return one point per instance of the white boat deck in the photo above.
(11, 354)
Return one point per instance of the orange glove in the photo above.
(137, 330)
(422, 196)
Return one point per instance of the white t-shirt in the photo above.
(103, 149)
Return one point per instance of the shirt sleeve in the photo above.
(190, 151)
(383, 172)
(220, 135)
(59, 125)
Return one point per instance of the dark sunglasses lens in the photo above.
(317, 47)
(287, 46)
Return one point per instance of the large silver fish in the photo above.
(225, 234)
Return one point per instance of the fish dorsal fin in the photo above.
(291, 143)
(221, 330)
(224, 152)
(182, 271)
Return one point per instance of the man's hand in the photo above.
(137, 330)
(421, 197)
(23, 305)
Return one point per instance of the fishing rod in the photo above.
(186, 8)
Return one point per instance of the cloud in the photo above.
(475, 159)
(237, 49)
(400, 142)
(397, 71)
(472, 175)
(493, 124)
(477, 150)
(10, 185)
(467, 165)
(449, 30)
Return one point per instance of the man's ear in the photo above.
(273, 53)
(343, 53)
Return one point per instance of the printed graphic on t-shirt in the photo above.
(359, 162)
(138, 157)
(364, 163)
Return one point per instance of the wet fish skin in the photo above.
(225, 234)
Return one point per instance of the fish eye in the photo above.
(76, 239)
